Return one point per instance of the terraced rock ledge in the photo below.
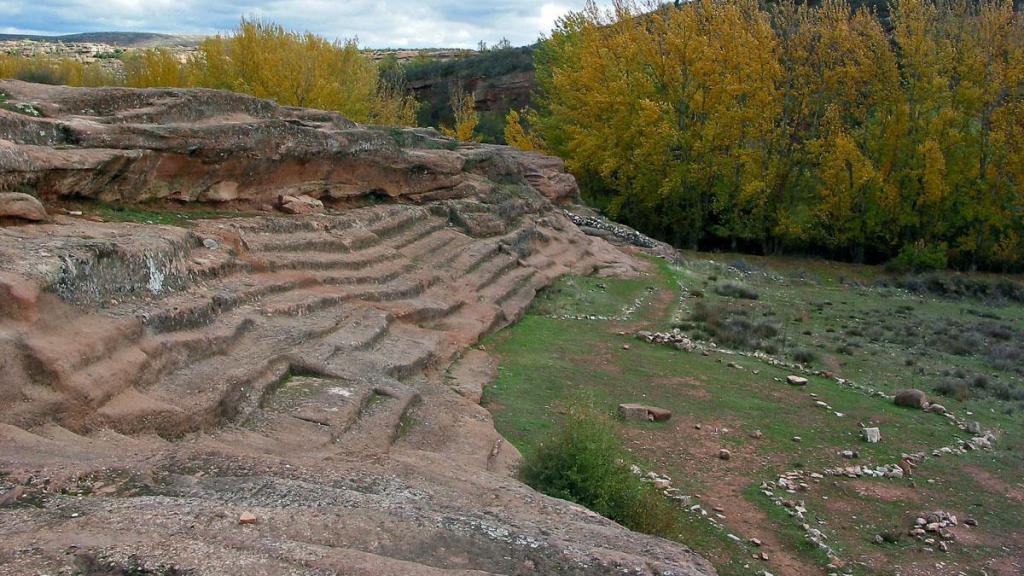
(158, 384)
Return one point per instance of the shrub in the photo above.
(585, 463)
(920, 257)
(804, 355)
(957, 389)
(733, 328)
(736, 290)
(742, 265)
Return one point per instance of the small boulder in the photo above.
(247, 518)
(658, 414)
(724, 454)
(974, 427)
(911, 398)
(797, 380)
(633, 411)
(937, 408)
(300, 204)
(21, 206)
(644, 413)
(872, 435)
(756, 434)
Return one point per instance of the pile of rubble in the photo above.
(933, 529)
(674, 338)
(602, 227)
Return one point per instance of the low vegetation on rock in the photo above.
(585, 462)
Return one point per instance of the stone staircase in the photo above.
(370, 300)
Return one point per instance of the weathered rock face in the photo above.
(159, 384)
(127, 145)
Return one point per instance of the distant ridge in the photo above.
(123, 39)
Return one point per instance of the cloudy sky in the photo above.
(389, 23)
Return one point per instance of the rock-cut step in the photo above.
(403, 352)
(380, 420)
(58, 352)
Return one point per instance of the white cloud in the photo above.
(387, 23)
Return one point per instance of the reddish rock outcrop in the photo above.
(160, 384)
(124, 145)
(21, 206)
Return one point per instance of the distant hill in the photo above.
(122, 39)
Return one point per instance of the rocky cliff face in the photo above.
(272, 394)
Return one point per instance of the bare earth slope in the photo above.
(158, 383)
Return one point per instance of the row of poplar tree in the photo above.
(731, 123)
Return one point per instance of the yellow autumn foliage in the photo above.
(725, 123)
(259, 58)
(465, 114)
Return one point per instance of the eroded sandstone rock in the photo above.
(21, 206)
(293, 368)
(125, 145)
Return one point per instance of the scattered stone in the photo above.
(797, 380)
(625, 346)
(797, 439)
(937, 409)
(756, 434)
(974, 427)
(872, 435)
(981, 442)
(247, 518)
(21, 206)
(644, 413)
(970, 521)
(911, 398)
(764, 556)
(724, 454)
(210, 244)
(755, 542)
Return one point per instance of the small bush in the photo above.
(920, 257)
(585, 463)
(736, 290)
(804, 356)
(957, 389)
(733, 328)
(742, 265)
(1007, 393)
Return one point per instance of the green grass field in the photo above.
(839, 318)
